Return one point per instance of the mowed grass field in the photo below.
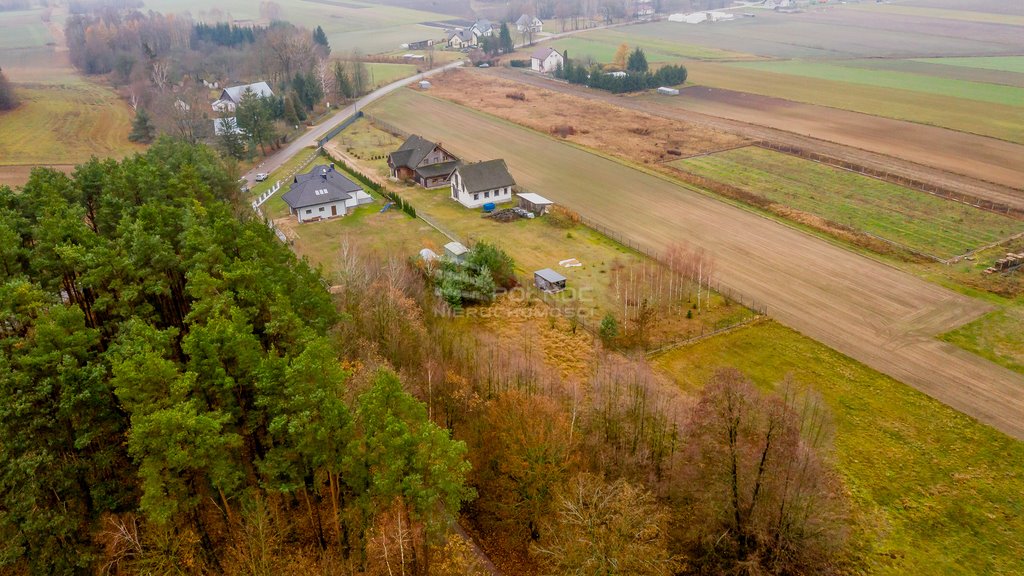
(933, 491)
(65, 124)
(1000, 121)
(998, 336)
(1001, 63)
(382, 74)
(601, 45)
(907, 217)
(932, 85)
(349, 24)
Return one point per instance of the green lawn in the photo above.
(913, 219)
(23, 29)
(934, 492)
(998, 336)
(349, 24)
(1004, 63)
(65, 123)
(382, 74)
(979, 91)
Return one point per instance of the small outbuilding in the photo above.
(455, 251)
(668, 91)
(534, 203)
(548, 280)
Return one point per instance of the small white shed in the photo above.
(668, 91)
(456, 251)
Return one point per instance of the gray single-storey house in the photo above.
(323, 192)
(548, 280)
(474, 185)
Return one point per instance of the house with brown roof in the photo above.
(422, 161)
(546, 59)
(474, 185)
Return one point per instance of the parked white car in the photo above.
(262, 176)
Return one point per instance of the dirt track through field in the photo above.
(992, 170)
(872, 312)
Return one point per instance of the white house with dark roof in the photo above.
(546, 59)
(422, 161)
(460, 38)
(231, 97)
(531, 24)
(323, 192)
(474, 185)
(482, 29)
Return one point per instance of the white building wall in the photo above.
(478, 199)
(321, 211)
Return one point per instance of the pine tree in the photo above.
(8, 101)
(341, 81)
(505, 39)
(320, 39)
(637, 61)
(142, 129)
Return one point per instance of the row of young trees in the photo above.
(173, 397)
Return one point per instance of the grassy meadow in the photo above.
(907, 217)
(933, 85)
(1001, 63)
(382, 74)
(998, 336)
(933, 491)
(350, 25)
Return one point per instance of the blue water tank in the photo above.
(489, 207)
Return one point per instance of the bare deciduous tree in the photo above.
(605, 528)
(759, 497)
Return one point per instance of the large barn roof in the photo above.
(235, 93)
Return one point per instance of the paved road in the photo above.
(313, 134)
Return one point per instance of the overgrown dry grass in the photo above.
(623, 132)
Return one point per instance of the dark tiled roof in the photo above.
(412, 152)
(320, 185)
(485, 176)
(435, 170)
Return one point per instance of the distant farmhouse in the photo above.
(546, 60)
(423, 162)
(482, 29)
(460, 38)
(474, 185)
(322, 193)
(230, 98)
(530, 24)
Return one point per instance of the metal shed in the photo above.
(534, 203)
(455, 251)
(548, 280)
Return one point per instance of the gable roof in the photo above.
(235, 92)
(526, 20)
(320, 185)
(482, 25)
(463, 35)
(485, 176)
(542, 53)
(412, 152)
